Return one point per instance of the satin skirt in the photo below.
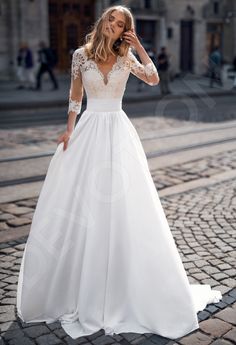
(100, 253)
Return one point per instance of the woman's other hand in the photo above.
(64, 138)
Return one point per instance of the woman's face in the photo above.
(115, 25)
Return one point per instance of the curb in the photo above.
(126, 99)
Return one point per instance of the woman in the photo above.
(25, 67)
(100, 254)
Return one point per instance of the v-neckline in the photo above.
(109, 73)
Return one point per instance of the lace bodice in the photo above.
(86, 74)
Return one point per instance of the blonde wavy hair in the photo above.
(97, 44)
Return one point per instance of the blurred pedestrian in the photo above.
(25, 64)
(163, 70)
(215, 64)
(47, 60)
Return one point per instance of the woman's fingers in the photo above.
(64, 138)
(127, 35)
(130, 37)
(127, 38)
(65, 143)
(60, 138)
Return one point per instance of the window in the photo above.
(147, 4)
(169, 33)
(76, 7)
(72, 37)
(52, 8)
(65, 7)
(216, 7)
(87, 12)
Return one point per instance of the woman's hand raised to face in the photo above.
(130, 37)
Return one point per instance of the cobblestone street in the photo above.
(195, 169)
(201, 218)
(18, 138)
(203, 226)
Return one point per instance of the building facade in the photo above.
(195, 27)
(21, 20)
(61, 24)
(188, 28)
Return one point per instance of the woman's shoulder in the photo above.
(80, 49)
(79, 53)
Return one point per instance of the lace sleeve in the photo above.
(148, 73)
(76, 87)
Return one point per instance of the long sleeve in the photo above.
(76, 87)
(148, 73)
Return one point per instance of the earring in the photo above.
(121, 39)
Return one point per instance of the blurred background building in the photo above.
(188, 28)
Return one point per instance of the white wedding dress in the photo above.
(100, 253)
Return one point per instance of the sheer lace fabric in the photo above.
(86, 72)
(74, 106)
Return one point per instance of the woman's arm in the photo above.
(146, 70)
(75, 99)
(75, 93)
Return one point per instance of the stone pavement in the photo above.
(20, 213)
(196, 169)
(14, 141)
(203, 225)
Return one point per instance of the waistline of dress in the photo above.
(104, 104)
